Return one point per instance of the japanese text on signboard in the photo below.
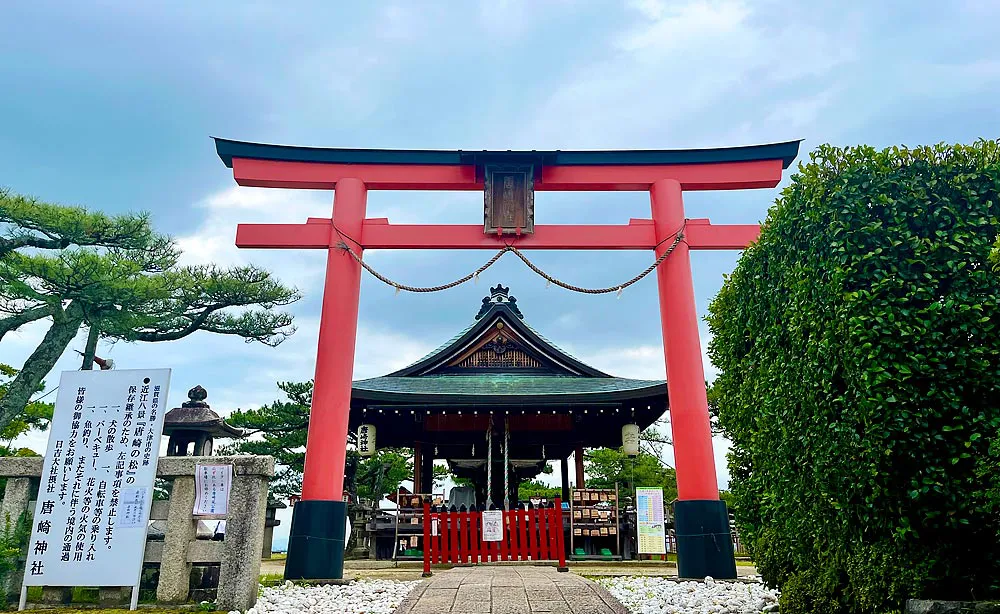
(98, 474)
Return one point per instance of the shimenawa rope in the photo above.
(678, 237)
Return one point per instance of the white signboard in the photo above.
(211, 486)
(92, 512)
(493, 526)
(649, 520)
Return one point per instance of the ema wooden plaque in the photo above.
(510, 199)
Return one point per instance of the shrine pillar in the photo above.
(581, 482)
(564, 471)
(427, 468)
(316, 539)
(418, 469)
(701, 521)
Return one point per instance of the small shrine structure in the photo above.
(497, 402)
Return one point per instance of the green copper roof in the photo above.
(487, 318)
(561, 379)
(447, 344)
(507, 387)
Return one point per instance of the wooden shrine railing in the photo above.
(456, 536)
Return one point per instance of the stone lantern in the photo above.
(194, 422)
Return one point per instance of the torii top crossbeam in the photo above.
(279, 166)
(509, 180)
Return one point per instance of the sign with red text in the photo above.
(92, 511)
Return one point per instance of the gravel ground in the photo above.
(362, 597)
(651, 595)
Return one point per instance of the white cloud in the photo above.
(214, 239)
(691, 74)
(569, 320)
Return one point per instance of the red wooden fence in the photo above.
(528, 535)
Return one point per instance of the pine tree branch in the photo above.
(65, 324)
(9, 245)
(18, 320)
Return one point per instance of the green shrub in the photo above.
(13, 545)
(859, 347)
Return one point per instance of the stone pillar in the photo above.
(114, 596)
(175, 571)
(269, 523)
(57, 595)
(240, 569)
(22, 474)
(15, 503)
(15, 500)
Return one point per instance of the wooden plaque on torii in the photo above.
(509, 199)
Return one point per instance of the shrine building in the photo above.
(498, 395)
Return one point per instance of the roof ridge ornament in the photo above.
(499, 295)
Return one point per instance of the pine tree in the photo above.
(123, 280)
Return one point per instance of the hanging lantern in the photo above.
(366, 440)
(630, 439)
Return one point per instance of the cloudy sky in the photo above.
(111, 105)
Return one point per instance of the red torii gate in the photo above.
(316, 543)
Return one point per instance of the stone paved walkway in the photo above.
(508, 590)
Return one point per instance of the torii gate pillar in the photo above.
(701, 520)
(316, 545)
(319, 519)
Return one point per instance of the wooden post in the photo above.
(581, 482)
(560, 539)
(418, 468)
(427, 478)
(427, 539)
(564, 470)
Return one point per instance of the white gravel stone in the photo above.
(652, 595)
(361, 597)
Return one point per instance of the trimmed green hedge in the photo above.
(859, 347)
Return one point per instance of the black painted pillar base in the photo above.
(316, 541)
(704, 542)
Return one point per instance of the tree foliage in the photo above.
(606, 467)
(858, 342)
(279, 429)
(37, 414)
(383, 472)
(529, 489)
(26, 222)
(115, 274)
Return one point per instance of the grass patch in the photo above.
(272, 579)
